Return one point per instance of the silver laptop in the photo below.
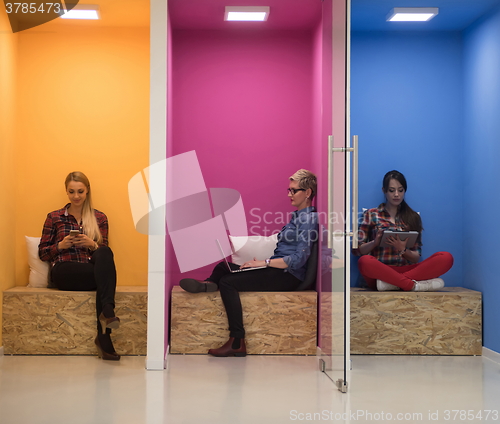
(233, 271)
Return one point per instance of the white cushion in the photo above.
(39, 270)
(246, 248)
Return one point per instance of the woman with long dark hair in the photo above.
(75, 242)
(396, 266)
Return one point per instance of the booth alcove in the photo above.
(249, 99)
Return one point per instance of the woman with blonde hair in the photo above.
(75, 241)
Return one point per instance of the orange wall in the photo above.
(83, 105)
(8, 46)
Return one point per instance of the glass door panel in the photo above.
(335, 246)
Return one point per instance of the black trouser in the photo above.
(266, 279)
(98, 274)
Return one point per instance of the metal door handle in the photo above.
(354, 149)
(330, 195)
(355, 191)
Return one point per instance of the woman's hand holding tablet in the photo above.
(389, 236)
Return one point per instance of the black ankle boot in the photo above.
(195, 286)
(105, 348)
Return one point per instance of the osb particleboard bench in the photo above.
(55, 322)
(280, 323)
(445, 322)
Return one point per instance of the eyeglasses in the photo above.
(292, 191)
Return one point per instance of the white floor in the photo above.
(254, 390)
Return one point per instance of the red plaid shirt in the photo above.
(378, 219)
(57, 226)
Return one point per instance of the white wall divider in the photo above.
(157, 185)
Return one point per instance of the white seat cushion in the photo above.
(39, 270)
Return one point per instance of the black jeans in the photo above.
(266, 279)
(98, 274)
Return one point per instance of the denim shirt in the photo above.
(295, 241)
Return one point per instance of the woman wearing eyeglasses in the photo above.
(283, 271)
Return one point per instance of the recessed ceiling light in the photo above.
(246, 13)
(82, 11)
(412, 14)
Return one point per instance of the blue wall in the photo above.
(407, 108)
(428, 104)
(482, 168)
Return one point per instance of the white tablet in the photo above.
(403, 235)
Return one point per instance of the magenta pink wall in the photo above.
(256, 105)
(244, 101)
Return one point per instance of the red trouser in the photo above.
(403, 276)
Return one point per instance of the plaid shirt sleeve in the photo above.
(47, 249)
(364, 231)
(102, 222)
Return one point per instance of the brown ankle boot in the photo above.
(227, 349)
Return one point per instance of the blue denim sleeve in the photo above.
(307, 236)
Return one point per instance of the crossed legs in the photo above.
(404, 276)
